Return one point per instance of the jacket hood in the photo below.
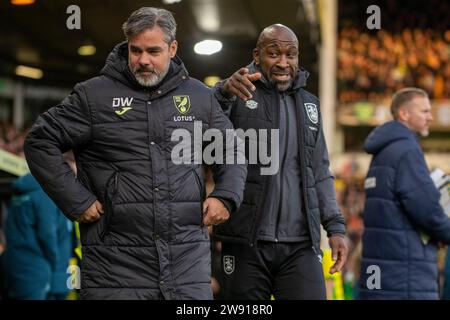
(299, 81)
(386, 134)
(26, 183)
(116, 66)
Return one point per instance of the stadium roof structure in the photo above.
(37, 35)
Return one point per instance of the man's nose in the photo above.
(282, 62)
(144, 59)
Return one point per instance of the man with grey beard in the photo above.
(143, 218)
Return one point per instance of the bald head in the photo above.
(276, 53)
(274, 33)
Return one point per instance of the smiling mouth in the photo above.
(281, 77)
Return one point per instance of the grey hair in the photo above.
(147, 18)
(403, 97)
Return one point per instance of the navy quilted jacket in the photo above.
(402, 204)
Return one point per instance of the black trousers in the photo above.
(288, 271)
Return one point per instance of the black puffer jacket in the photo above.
(151, 239)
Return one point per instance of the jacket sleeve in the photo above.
(420, 197)
(330, 215)
(226, 102)
(229, 178)
(64, 127)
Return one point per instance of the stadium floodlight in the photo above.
(208, 47)
(22, 2)
(170, 1)
(87, 50)
(29, 72)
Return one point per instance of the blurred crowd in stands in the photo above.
(12, 139)
(412, 48)
(350, 196)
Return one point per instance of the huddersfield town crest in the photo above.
(311, 111)
(251, 104)
(228, 264)
(182, 103)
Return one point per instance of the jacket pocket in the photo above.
(202, 191)
(110, 194)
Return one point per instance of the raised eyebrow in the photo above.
(273, 46)
(135, 48)
(273, 49)
(292, 48)
(153, 49)
(149, 49)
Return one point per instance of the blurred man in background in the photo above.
(402, 216)
(38, 244)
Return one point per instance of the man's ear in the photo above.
(256, 56)
(403, 114)
(173, 48)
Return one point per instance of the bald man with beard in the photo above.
(271, 246)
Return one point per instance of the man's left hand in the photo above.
(339, 252)
(214, 212)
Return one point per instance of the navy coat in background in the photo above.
(402, 204)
